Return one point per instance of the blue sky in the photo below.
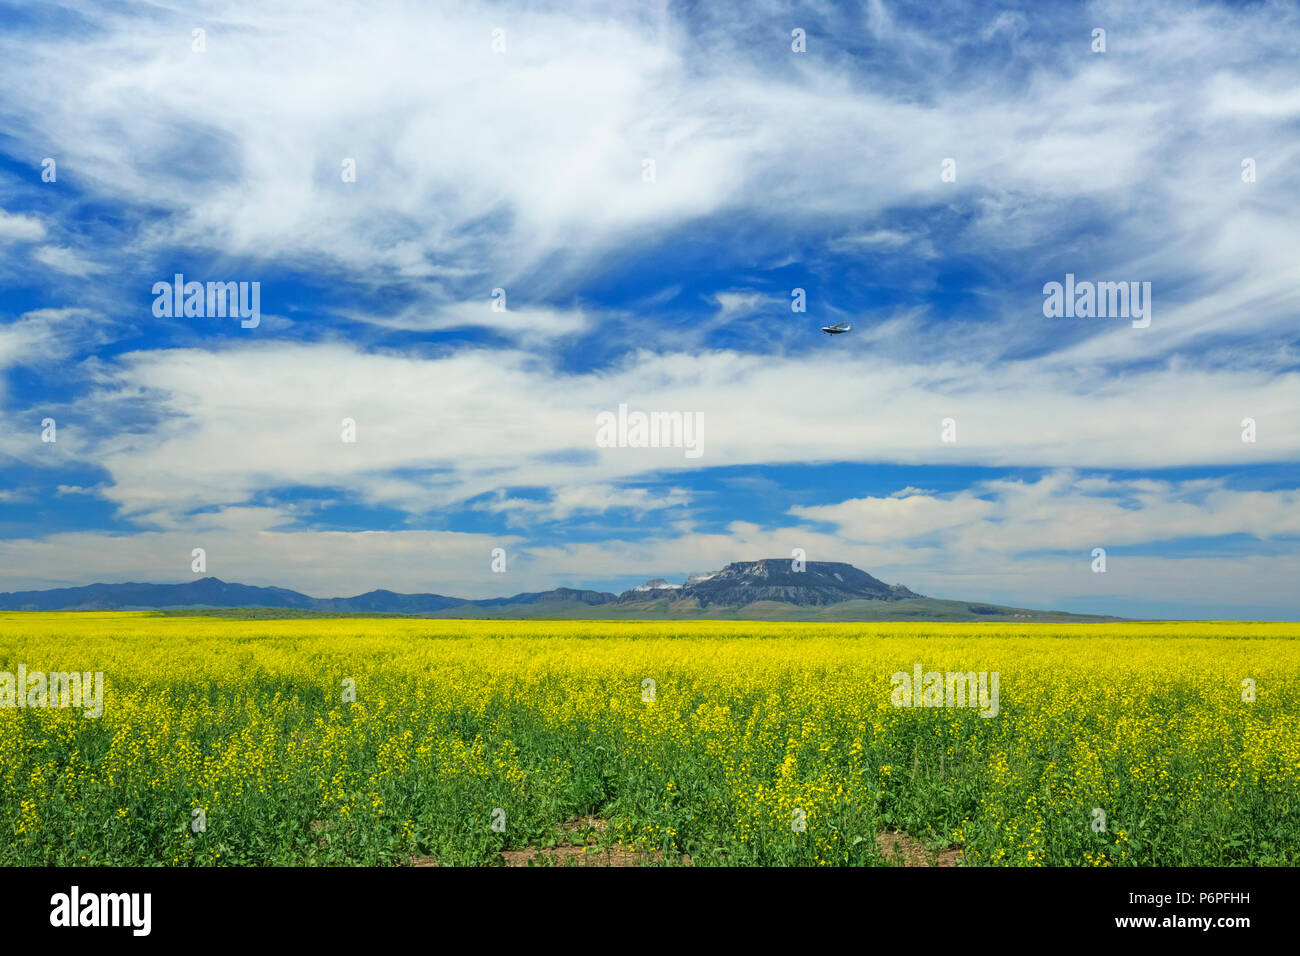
(523, 169)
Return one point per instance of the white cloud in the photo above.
(15, 227)
(734, 303)
(911, 490)
(1063, 513)
(68, 261)
(530, 325)
(565, 502)
(883, 240)
(44, 335)
(258, 417)
(895, 519)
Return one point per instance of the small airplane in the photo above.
(837, 328)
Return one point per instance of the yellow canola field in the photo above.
(368, 741)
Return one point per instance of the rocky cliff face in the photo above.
(773, 579)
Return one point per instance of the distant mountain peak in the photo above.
(816, 583)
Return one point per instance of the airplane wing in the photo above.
(839, 325)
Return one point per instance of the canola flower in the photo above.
(752, 726)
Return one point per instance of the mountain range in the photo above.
(768, 589)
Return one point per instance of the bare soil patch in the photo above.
(584, 848)
(894, 844)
